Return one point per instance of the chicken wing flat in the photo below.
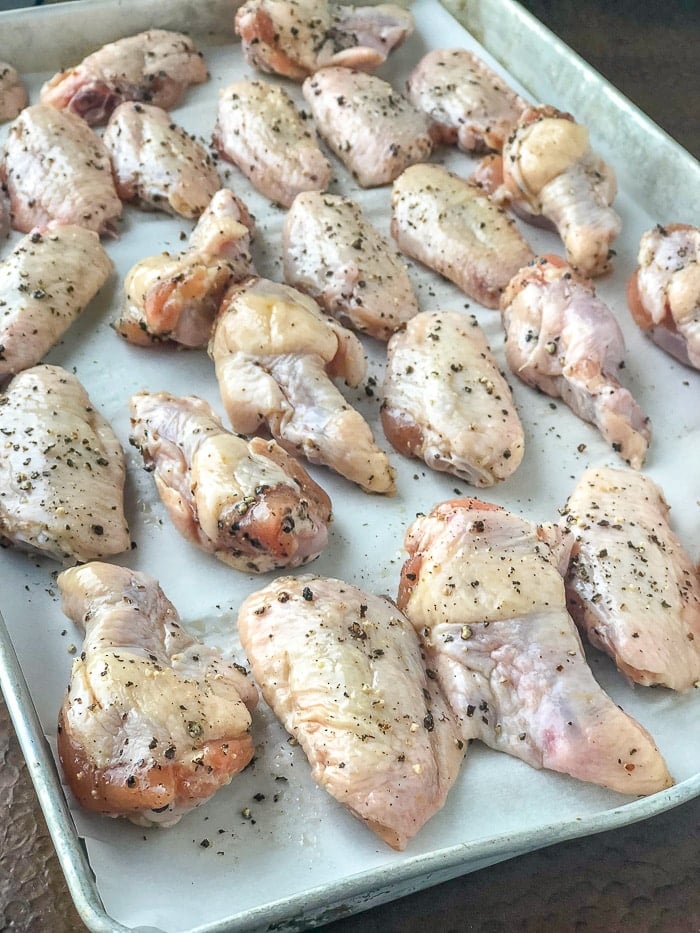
(57, 169)
(154, 722)
(61, 470)
(13, 94)
(333, 253)
(248, 503)
(295, 38)
(153, 67)
(45, 283)
(631, 587)
(259, 129)
(663, 293)
(176, 298)
(563, 340)
(482, 587)
(373, 130)
(454, 228)
(342, 670)
(468, 103)
(446, 402)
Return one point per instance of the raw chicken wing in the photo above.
(445, 401)
(563, 340)
(13, 94)
(333, 253)
(630, 585)
(153, 67)
(455, 229)
(247, 502)
(482, 587)
(259, 129)
(61, 470)
(343, 671)
(154, 722)
(374, 130)
(276, 354)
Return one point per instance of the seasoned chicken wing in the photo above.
(176, 298)
(61, 470)
(154, 722)
(13, 94)
(630, 585)
(276, 354)
(342, 670)
(374, 130)
(333, 253)
(247, 502)
(153, 67)
(455, 229)
(563, 340)
(47, 280)
(468, 103)
(446, 402)
(663, 293)
(295, 38)
(57, 169)
(482, 587)
(259, 129)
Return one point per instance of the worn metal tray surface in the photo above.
(300, 859)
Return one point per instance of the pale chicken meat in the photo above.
(276, 354)
(342, 670)
(157, 164)
(5, 221)
(663, 293)
(564, 341)
(445, 401)
(247, 502)
(156, 67)
(273, 144)
(452, 227)
(468, 103)
(631, 587)
(62, 470)
(176, 298)
(371, 128)
(57, 169)
(483, 588)
(295, 38)
(332, 252)
(154, 723)
(45, 283)
(13, 94)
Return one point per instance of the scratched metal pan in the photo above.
(272, 851)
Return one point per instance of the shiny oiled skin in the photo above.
(13, 94)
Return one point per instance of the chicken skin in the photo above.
(663, 293)
(630, 585)
(13, 94)
(468, 104)
(454, 228)
(563, 340)
(276, 354)
(153, 67)
(45, 283)
(259, 129)
(154, 722)
(176, 298)
(248, 503)
(372, 129)
(342, 670)
(333, 253)
(446, 402)
(295, 38)
(482, 587)
(61, 470)
(57, 169)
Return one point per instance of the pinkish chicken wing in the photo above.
(13, 94)
(483, 589)
(154, 722)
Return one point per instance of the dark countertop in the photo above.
(640, 878)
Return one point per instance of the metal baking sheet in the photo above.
(301, 859)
